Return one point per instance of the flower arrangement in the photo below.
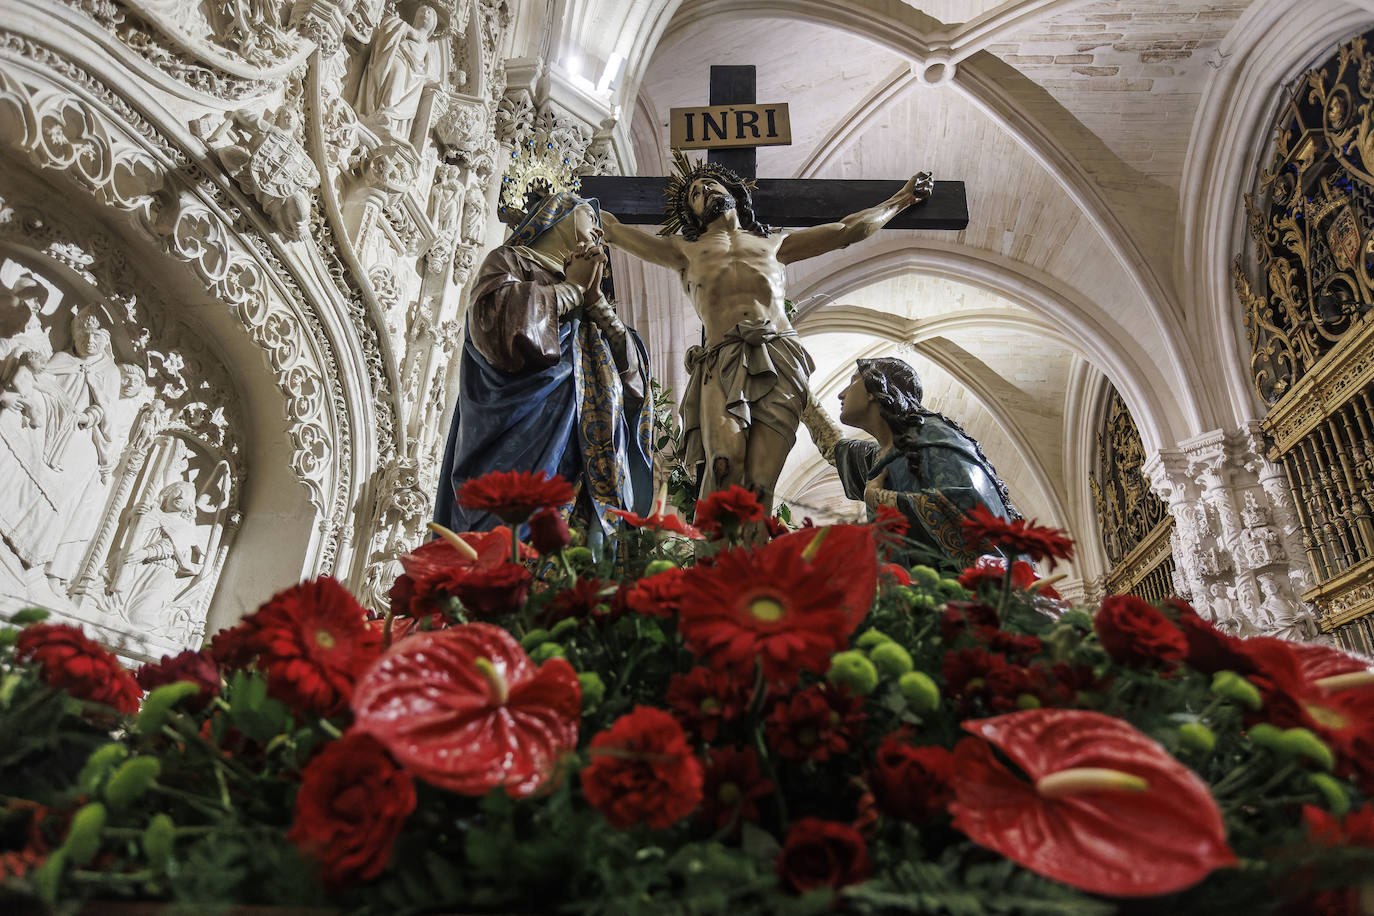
(685, 725)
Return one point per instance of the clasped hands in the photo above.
(584, 267)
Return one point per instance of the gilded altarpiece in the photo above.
(1306, 286)
(1135, 523)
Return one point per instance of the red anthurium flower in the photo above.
(1318, 663)
(1106, 810)
(1018, 536)
(736, 505)
(70, 661)
(466, 710)
(788, 605)
(657, 521)
(487, 583)
(513, 496)
(312, 641)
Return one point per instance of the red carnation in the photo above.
(351, 806)
(734, 784)
(1017, 536)
(817, 723)
(69, 661)
(313, 642)
(729, 508)
(642, 769)
(196, 667)
(820, 854)
(705, 700)
(912, 783)
(1209, 649)
(549, 532)
(958, 616)
(658, 521)
(777, 606)
(513, 496)
(656, 596)
(1138, 635)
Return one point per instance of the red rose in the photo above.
(1209, 649)
(817, 723)
(705, 700)
(350, 808)
(549, 531)
(731, 507)
(643, 769)
(313, 642)
(69, 661)
(820, 854)
(733, 786)
(196, 667)
(1137, 635)
(912, 783)
(513, 496)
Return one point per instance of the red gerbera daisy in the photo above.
(733, 506)
(775, 607)
(69, 661)
(658, 522)
(734, 785)
(705, 700)
(313, 642)
(1017, 536)
(817, 723)
(643, 769)
(513, 496)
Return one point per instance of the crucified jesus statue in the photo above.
(748, 381)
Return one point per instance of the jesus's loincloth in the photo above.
(762, 373)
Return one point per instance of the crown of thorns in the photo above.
(677, 214)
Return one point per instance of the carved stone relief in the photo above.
(1233, 537)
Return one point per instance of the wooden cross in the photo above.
(785, 202)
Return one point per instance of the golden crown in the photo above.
(534, 172)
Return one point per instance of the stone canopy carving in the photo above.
(330, 202)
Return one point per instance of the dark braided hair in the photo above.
(896, 388)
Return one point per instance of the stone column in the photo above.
(1236, 540)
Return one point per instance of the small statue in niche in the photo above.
(167, 551)
(391, 83)
(923, 463)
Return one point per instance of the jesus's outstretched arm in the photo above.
(807, 243)
(642, 245)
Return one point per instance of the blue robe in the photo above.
(537, 394)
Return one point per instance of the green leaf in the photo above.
(159, 703)
(132, 779)
(29, 616)
(48, 876)
(758, 844)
